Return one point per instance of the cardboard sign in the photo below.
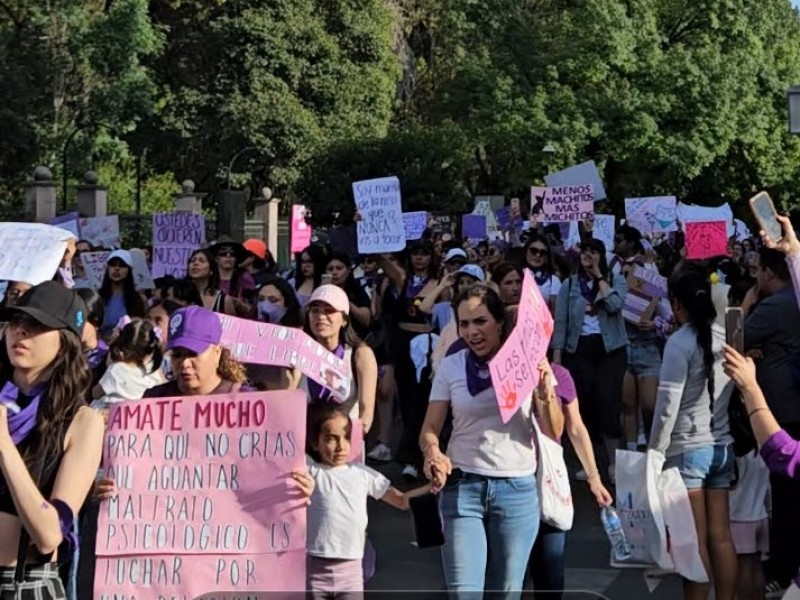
(706, 240)
(205, 500)
(483, 208)
(301, 231)
(267, 344)
(443, 224)
(603, 230)
(514, 368)
(658, 214)
(102, 232)
(175, 236)
(94, 267)
(31, 252)
(645, 288)
(584, 173)
(70, 222)
(415, 224)
(381, 226)
(141, 272)
(562, 204)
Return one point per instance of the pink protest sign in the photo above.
(514, 369)
(562, 204)
(206, 502)
(267, 344)
(175, 236)
(301, 231)
(706, 239)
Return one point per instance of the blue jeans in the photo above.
(709, 467)
(490, 524)
(546, 566)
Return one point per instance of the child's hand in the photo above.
(304, 483)
(104, 489)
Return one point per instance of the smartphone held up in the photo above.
(766, 215)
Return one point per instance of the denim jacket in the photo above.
(571, 302)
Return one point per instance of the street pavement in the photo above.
(402, 567)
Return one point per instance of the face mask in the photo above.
(269, 312)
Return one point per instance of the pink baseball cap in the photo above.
(332, 295)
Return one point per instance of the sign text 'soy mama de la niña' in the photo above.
(206, 502)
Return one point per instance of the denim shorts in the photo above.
(644, 358)
(709, 467)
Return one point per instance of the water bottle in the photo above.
(613, 527)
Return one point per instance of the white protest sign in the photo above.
(584, 173)
(742, 231)
(141, 272)
(31, 252)
(102, 232)
(603, 230)
(94, 267)
(484, 208)
(691, 213)
(415, 224)
(381, 226)
(656, 214)
(562, 204)
(69, 222)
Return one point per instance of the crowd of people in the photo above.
(418, 329)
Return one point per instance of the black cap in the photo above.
(52, 305)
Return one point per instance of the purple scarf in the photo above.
(320, 394)
(589, 293)
(98, 355)
(479, 378)
(541, 277)
(21, 420)
(415, 285)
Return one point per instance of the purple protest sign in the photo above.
(473, 226)
(175, 236)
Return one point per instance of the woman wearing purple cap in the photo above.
(328, 322)
(50, 441)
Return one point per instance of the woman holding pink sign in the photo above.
(488, 497)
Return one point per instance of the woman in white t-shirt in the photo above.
(134, 365)
(488, 500)
(539, 259)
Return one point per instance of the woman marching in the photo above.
(50, 441)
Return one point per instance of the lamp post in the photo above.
(793, 97)
(236, 156)
(549, 152)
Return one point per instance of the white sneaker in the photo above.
(581, 476)
(411, 472)
(380, 453)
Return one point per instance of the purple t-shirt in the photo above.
(565, 390)
(246, 284)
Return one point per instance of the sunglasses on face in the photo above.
(537, 252)
(226, 254)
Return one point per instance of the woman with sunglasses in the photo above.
(118, 291)
(590, 341)
(234, 281)
(539, 259)
(50, 440)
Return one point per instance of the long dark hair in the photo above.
(347, 335)
(599, 247)
(134, 305)
(351, 287)
(136, 343)
(504, 268)
(433, 266)
(95, 306)
(319, 260)
(690, 286)
(186, 291)
(293, 316)
(213, 269)
(67, 386)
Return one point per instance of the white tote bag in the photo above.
(552, 479)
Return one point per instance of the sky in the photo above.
(796, 3)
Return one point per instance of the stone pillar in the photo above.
(92, 197)
(40, 196)
(231, 214)
(272, 225)
(189, 200)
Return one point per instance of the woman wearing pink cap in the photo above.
(328, 322)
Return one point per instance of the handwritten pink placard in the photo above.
(301, 231)
(267, 344)
(706, 239)
(206, 502)
(514, 369)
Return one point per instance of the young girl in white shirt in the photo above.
(134, 365)
(337, 515)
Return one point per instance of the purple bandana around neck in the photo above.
(319, 394)
(541, 277)
(415, 285)
(589, 293)
(479, 378)
(96, 356)
(21, 421)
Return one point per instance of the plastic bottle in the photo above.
(613, 528)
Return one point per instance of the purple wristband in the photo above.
(66, 521)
